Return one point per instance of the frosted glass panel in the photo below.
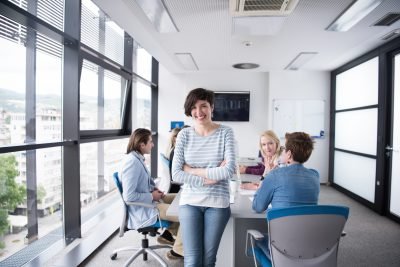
(358, 87)
(356, 174)
(357, 130)
(395, 183)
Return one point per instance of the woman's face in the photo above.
(146, 148)
(268, 146)
(201, 112)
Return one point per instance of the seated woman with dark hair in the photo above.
(138, 186)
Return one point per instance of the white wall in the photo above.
(263, 87)
(313, 85)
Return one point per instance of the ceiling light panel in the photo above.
(158, 14)
(353, 14)
(187, 61)
(300, 60)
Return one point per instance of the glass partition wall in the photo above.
(66, 101)
(356, 115)
(364, 129)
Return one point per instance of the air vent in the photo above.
(387, 20)
(262, 7)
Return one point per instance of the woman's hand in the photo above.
(157, 195)
(242, 169)
(270, 164)
(250, 186)
(187, 168)
(207, 181)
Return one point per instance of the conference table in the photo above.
(231, 251)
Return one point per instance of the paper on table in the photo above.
(246, 192)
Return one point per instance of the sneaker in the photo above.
(163, 241)
(172, 255)
(166, 238)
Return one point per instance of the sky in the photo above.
(49, 73)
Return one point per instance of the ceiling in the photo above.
(205, 31)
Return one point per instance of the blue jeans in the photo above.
(202, 229)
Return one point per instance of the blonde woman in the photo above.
(270, 149)
(170, 155)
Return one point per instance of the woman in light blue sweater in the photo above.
(204, 162)
(138, 186)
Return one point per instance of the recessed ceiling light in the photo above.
(245, 66)
(157, 12)
(187, 61)
(300, 60)
(355, 12)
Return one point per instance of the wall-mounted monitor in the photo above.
(231, 106)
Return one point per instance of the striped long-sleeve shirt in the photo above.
(205, 152)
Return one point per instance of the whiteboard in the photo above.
(294, 115)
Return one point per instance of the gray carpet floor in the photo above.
(371, 240)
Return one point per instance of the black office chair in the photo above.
(149, 230)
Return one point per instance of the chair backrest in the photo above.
(164, 181)
(164, 160)
(306, 235)
(117, 182)
(124, 222)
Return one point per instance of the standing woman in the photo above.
(204, 162)
(270, 149)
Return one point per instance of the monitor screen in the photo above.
(231, 106)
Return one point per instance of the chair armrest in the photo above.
(255, 234)
(252, 235)
(146, 205)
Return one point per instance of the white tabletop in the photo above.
(244, 177)
(248, 161)
(240, 209)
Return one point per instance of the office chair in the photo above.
(173, 187)
(148, 230)
(299, 236)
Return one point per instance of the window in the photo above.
(100, 33)
(97, 168)
(33, 104)
(101, 98)
(143, 105)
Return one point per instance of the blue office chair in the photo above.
(299, 236)
(149, 230)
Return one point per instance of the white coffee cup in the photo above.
(233, 185)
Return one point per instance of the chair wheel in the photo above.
(113, 256)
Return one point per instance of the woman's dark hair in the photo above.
(194, 96)
(140, 135)
(300, 144)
